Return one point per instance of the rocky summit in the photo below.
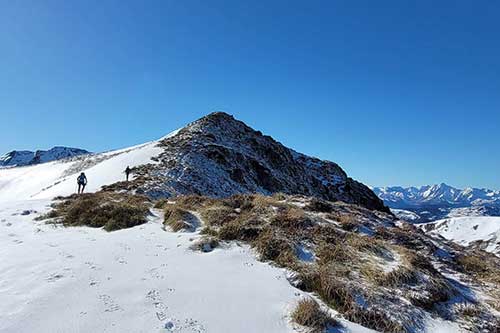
(219, 156)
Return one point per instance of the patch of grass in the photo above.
(319, 206)
(160, 203)
(218, 215)
(348, 222)
(473, 263)
(275, 247)
(193, 202)
(328, 253)
(111, 211)
(178, 219)
(308, 313)
(292, 219)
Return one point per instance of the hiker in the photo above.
(82, 181)
(127, 171)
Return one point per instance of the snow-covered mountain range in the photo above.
(26, 157)
(433, 202)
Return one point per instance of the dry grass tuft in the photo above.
(319, 206)
(348, 222)
(108, 210)
(308, 313)
(179, 219)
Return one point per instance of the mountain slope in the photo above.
(25, 157)
(215, 155)
(479, 232)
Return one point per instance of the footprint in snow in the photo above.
(54, 277)
(120, 260)
(154, 297)
(188, 325)
(109, 304)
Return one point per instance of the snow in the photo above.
(466, 230)
(405, 215)
(143, 279)
(51, 179)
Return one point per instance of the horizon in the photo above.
(396, 94)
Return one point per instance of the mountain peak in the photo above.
(26, 157)
(218, 155)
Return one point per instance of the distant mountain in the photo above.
(433, 202)
(26, 157)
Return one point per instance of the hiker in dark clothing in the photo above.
(82, 181)
(127, 171)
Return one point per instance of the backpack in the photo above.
(81, 179)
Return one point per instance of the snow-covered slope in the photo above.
(216, 155)
(135, 280)
(55, 178)
(481, 232)
(142, 279)
(25, 157)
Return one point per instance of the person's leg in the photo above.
(79, 185)
(83, 187)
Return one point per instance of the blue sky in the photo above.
(396, 92)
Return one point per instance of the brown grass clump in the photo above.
(218, 215)
(348, 222)
(111, 211)
(333, 253)
(319, 206)
(275, 247)
(473, 263)
(367, 244)
(193, 201)
(179, 219)
(308, 313)
(291, 218)
(160, 203)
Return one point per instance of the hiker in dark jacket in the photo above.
(127, 171)
(82, 181)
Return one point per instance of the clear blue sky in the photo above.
(396, 92)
